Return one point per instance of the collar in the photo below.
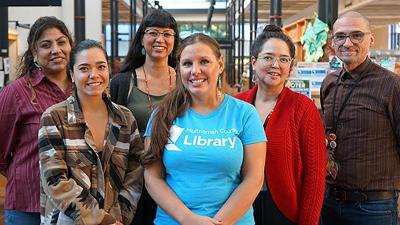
(36, 77)
(357, 72)
(75, 114)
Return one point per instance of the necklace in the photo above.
(147, 86)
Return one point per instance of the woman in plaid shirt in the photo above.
(89, 149)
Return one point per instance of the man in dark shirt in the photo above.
(361, 106)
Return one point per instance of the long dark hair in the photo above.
(43, 23)
(176, 103)
(156, 18)
(271, 31)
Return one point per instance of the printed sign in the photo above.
(300, 85)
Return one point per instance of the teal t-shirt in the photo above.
(205, 154)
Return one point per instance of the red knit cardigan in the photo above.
(296, 156)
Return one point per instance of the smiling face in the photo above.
(52, 51)
(271, 65)
(90, 72)
(158, 42)
(352, 54)
(199, 67)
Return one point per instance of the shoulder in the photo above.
(331, 77)
(298, 98)
(375, 68)
(296, 104)
(124, 111)
(235, 101)
(58, 107)
(238, 107)
(243, 95)
(55, 114)
(120, 78)
(12, 91)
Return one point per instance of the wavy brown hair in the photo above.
(176, 103)
(26, 63)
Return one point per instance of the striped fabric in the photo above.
(87, 185)
(368, 130)
(19, 125)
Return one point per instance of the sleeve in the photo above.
(70, 198)
(313, 154)
(253, 130)
(394, 112)
(149, 126)
(133, 183)
(9, 116)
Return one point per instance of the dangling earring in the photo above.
(143, 51)
(219, 88)
(36, 64)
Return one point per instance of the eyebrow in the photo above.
(268, 53)
(97, 63)
(47, 40)
(155, 29)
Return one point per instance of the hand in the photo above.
(117, 223)
(195, 219)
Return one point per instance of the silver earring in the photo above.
(219, 83)
(36, 64)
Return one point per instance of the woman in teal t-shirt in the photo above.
(205, 150)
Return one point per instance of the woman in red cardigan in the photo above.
(295, 163)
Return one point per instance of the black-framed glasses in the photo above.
(156, 34)
(355, 37)
(283, 61)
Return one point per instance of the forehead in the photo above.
(91, 55)
(50, 33)
(159, 28)
(275, 46)
(350, 24)
(198, 49)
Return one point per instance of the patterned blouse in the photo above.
(80, 183)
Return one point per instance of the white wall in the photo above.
(29, 15)
(93, 23)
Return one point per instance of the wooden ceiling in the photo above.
(289, 8)
(379, 12)
(123, 11)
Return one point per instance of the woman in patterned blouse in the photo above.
(88, 150)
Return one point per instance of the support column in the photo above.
(328, 11)
(114, 30)
(80, 30)
(275, 12)
(133, 18)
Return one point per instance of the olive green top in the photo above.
(139, 105)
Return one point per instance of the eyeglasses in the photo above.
(283, 61)
(355, 37)
(156, 34)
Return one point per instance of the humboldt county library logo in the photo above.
(201, 138)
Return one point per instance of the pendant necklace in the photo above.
(147, 86)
